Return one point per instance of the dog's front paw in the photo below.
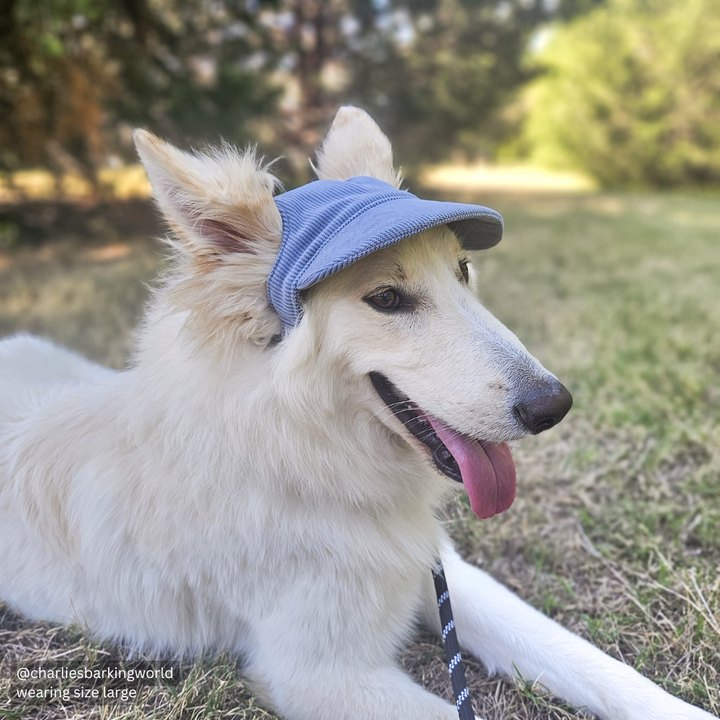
(690, 712)
(682, 711)
(657, 705)
(627, 695)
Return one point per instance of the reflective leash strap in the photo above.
(452, 648)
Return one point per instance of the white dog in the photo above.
(229, 491)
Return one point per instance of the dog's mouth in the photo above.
(485, 468)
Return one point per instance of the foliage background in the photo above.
(77, 75)
(625, 90)
(631, 94)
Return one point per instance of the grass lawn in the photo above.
(616, 529)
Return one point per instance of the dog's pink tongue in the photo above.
(487, 469)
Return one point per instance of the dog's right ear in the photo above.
(354, 146)
(216, 203)
(227, 230)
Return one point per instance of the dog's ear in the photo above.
(217, 202)
(356, 146)
(227, 230)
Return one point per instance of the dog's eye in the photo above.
(387, 299)
(464, 271)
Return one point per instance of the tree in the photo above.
(631, 94)
(75, 75)
(452, 64)
(434, 73)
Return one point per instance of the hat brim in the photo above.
(476, 227)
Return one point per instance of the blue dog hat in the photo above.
(330, 224)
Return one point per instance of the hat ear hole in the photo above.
(355, 146)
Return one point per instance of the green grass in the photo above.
(616, 529)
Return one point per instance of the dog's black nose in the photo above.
(543, 406)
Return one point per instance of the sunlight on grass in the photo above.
(121, 183)
(504, 178)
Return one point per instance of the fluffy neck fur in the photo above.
(307, 413)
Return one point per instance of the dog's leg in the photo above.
(311, 690)
(509, 636)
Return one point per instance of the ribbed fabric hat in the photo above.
(330, 224)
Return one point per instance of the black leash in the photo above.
(452, 648)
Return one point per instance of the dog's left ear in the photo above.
(227, 231)
(354, 146)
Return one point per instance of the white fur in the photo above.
(228, 492)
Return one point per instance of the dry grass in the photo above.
(616, 529)
(88, 298)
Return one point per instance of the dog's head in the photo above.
(403, 324)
